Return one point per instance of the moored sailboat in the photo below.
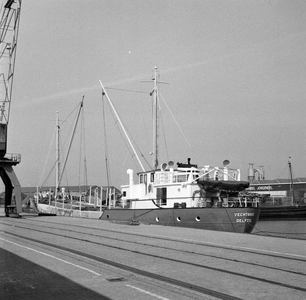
(184, 195)
(81, 201)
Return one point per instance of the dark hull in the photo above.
(241, 220)
(282, 213)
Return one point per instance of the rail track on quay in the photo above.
(188, 264)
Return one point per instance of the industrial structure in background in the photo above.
(10, 17)
(281, 198)
(252, 173)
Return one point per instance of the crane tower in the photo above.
(10, 16)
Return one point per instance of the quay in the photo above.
(75, 258)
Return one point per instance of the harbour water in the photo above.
(293, 229)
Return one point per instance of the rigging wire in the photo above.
(46, 162)
(82, 178)
(48, 176)
(176, 121)
(144, 126)
(146, 135)
(108, 175)
(80, 108)
(134, 143)
(80, 164)
(285, 172)
(133, 139)
(137, 147)
(164, 136)
(121, 134)
(84, 143)
(72, 123)
(163, 128)
(62, 151)
(61, 146)
(124, 90)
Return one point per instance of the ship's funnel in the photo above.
(262, 173)
(226, 163)
(131, 176)
(251, 172)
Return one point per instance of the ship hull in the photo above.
(241, 220)
(275, 213)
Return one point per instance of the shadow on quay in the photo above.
(23, 279)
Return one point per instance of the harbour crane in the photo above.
(9, 26)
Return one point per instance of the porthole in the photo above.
(178, 219)
(157, 219)
(198, 219)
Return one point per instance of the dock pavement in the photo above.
(38, 265)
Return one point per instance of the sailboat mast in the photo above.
(57, 152)
(71, 140)
(155, 122)
(291, 178)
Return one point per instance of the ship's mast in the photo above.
(291, 178)
(156, 116)
(155, 121)
(57, 153)
(61, 172)
(155, 113)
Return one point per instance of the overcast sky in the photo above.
(236, 74)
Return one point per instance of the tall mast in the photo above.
(57, 153)
(70, 143)
(291, 178)
(155, 122)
